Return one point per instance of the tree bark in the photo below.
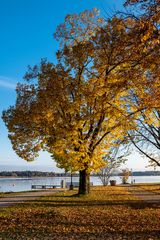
(84, 182)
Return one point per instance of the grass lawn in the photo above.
(107, 213)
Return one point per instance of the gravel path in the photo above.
(147, 196)
(8, 200)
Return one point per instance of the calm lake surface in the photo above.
(24, 184)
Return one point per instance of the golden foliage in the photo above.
(79, 108)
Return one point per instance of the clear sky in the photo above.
(26, 36)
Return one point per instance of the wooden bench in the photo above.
(42, 186)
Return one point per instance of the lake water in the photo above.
(24, 184)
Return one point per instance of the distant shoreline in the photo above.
(40, 174)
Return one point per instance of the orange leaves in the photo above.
(78, 27)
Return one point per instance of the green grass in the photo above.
(107, 213)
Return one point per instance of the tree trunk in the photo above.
(84, 182)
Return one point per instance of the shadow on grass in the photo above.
(76, 200)
(134, 204)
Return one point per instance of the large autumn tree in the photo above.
(78, 109)
(75, 110)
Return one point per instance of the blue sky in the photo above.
(27, 28)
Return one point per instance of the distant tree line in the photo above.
(29, 174)
(53, 174)
(147, 173)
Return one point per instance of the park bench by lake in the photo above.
(50, 186)
(42, 186)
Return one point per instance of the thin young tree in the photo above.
(113, 159)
